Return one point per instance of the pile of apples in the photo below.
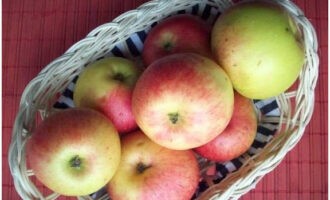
(138, 132)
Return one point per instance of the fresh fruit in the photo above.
(182, 101)
(177, 34)
(74, 152)
(259, 46)
(238, 136)
(106, 85)
(150, 171)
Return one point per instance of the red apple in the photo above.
(177, 34)
(150, 171)
(183, 101)
(106, 85)
(238, 136)
(74, 152)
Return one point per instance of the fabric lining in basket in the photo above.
(132, 49)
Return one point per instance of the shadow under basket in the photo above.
(282, 119)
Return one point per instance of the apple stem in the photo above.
(174, 117)
(168, 46)
(119, 77)
(75, 162)
(140, 168)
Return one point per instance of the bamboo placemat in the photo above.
(36, 32)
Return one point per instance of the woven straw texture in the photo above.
(291, 114)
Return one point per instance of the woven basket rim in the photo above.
(294, 118)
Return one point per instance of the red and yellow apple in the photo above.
(182, 101)
(182, 33)
(150, 171)
(106, 85)
(259, 46)
(238, 136)
(74, 152)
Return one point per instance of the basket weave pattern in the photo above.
(39, 96)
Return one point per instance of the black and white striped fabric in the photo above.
(132, 48)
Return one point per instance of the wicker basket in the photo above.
(286, 116)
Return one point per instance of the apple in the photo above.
(182, 101)
(150, 171)
(259, 46)
(74, 152)
(238, 136)
(177, 34)
(106, 85)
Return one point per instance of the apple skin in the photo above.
(106, 85)
(260, 48)
(74, 152)
(150, 171)
(182, 33)
(238, 136)
(182, 101)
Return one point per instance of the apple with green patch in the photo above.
(70, 150)
(106, 85)
(182, 33)
(260, 47)
(150, 171)
(182, 101)
(238, 136)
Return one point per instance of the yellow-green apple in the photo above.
(238, 136)
(75, 151)
(182, 101)
(106, 85)
(259, 46)
(150, 171)
(177, 34)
